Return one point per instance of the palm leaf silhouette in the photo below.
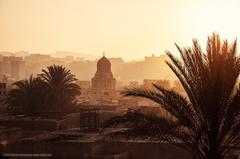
(206, 121)
(61, 86)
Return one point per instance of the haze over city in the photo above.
(119, 79)
(130, 29)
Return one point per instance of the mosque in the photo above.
(103, 84)
(103, 81)
(101, 90)
(102, 87)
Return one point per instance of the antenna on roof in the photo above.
(103, 53)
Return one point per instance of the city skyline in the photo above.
(120, 79)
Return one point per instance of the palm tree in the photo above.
(26, 96)
(61, 87)
(205, 122)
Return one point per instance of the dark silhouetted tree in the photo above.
(61, 88)
(206, 121)
(26, 97)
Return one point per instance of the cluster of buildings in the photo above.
(102, 91)
(20, 65)
(104, 81)
(12, 68)
(104, 88)
(77, 134)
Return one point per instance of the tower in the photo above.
(103, 79)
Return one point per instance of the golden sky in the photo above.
(126, 28)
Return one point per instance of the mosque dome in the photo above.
(103, 65)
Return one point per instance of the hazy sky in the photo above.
(127, 28)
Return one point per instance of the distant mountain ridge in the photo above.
(56, 54)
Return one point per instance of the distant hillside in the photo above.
(76, 55)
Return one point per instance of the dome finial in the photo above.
(103, 53)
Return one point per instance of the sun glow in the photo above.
(212, 16)
(130, 29)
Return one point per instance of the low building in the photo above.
(148, 83)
